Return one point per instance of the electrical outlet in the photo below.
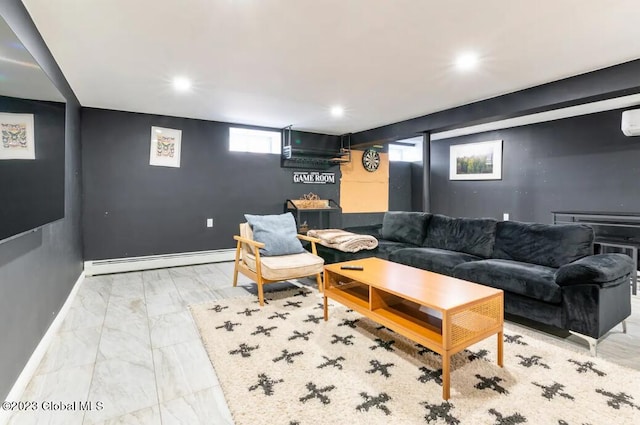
(505, 216)
(209, 222)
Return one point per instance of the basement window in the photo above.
(257, 141)
(408, 150)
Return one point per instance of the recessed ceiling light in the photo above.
(466, 61)
(181, 84)
(337, 111)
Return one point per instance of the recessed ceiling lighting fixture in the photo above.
(466, 61)
(337, 111)
(181, 84)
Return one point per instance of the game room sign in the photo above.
(314, 177)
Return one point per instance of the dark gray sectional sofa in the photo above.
(548, 272)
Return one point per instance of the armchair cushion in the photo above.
(285, 267)
(277, 232)
(245, 232)
(600, 269)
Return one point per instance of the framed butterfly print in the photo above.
(165, 147)
(17, 136)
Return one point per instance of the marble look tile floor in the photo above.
(130, 343)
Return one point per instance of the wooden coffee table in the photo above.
(439, 312)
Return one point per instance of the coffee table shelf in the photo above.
(353, 295)
(439, 312)
(404, 323)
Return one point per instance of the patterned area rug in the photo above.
(283, 364)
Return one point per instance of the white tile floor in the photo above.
(129, 342)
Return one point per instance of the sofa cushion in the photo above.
(603, 269)
(530, 280)
(473, 236)
(407, 227)
(371, 230)
(431, 259)
(551, 245)
(386, 248)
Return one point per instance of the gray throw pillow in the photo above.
(277, 232)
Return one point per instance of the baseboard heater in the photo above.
(119, 265)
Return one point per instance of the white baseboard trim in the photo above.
(38, 354)
(119, 265)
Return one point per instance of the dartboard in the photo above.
(370, 160)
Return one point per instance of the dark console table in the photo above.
(624, 224)
(331, 209)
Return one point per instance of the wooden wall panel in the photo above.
(362, 191)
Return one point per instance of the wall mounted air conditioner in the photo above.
(631, 122)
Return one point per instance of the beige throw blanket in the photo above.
(344, 241)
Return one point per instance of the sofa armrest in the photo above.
(602, 269)
(372, 230)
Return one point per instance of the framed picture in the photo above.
(476, 161)
(165, 147)
(17, 136)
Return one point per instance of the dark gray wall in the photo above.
(400, 184)
(417, 187)
(580, 163)
(133, 209)
(38, 270)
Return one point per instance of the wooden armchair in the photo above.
(263, 270)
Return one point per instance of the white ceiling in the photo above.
(281, 62)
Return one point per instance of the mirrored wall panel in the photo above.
(32, 126)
